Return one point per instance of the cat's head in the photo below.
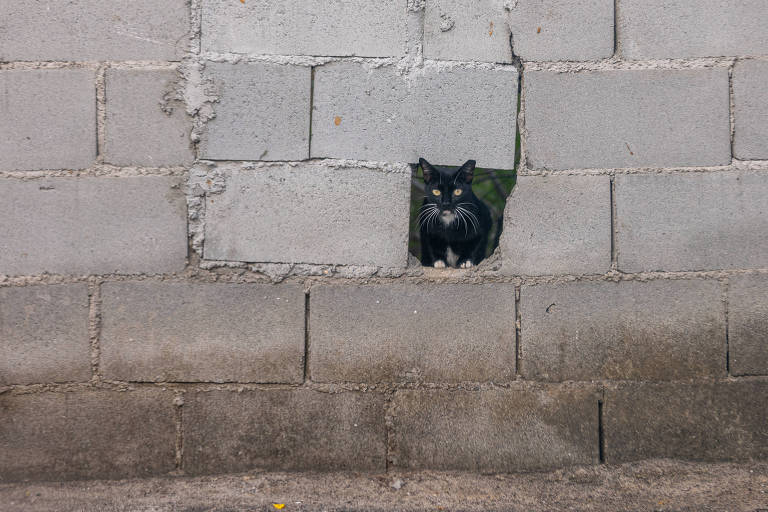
(447, 189)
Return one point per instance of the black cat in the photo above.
(454, 223)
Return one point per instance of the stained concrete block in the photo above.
(319, 219)
(693, 420)
(282, 429)
(655, 330)
(750, 98)
(692, 221)
(93, 225)
(748, 324)
(145, 125)
(44, 334)
(431, 333)
(660, 29)
(86, 434)
(446, 114)
(262, 112)
(557, 225)
(627, 118)
(180, 331)
(90, 30)
(47, 119)
(499, 430)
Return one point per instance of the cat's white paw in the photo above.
(439, 264)
(466, 264)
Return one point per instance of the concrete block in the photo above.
(262, 112)
(748, 324)
(750, 98)
(655, 330)
(627, 118)
(44, 334)
(557, 225)
(144, 125)
(86, 434)
(93, 225)
(659, 29)
(446, 114)
(282, 429)
(319, 219)
(92, 30)
(47, 119)
(306, 27)
(180, 331)
(431, 333)
(499, 430)
(692, 420)
(692, 221)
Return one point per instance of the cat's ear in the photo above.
(468, 170)
(427, 169)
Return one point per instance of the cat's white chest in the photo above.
(451, 256)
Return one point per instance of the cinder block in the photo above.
(431, 333)
(283, 429)
(306, 27)
(91, 30)
(557, 225)
(750, 98)
(655, 330)
(47, 119)
(748, 324)
(499, 430)
(86, 434)
(549, 30)
(145, 125)
(319, 216)
(693, 420)
(660, 29)
(262, 112)
(627, 118)
(177, 331)
(446, 114)
(93, 225)
(692, 221)
(44, 334)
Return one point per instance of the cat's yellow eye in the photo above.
(435, 192)
(457, 192)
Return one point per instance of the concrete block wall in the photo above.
(204, 261)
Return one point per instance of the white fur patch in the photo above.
(439, 264)
(452, 257)
(448, 218)
(466, 264)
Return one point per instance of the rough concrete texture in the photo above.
(431, 333)
(470, 30)
(656, 330)
(547, 30)
(93, 225)
(378, 114)
(44, 334)
(750, 99)
(145, 124)
(696, 420)
(318, 221)
(557, 225)
(659, 29)
(693, 221)
(613, 118)
(494, 430)
(89, 30)
(47, 118)
(748, 324)
(262, 112)
(179, 331)
(283, 429)
(86, 434)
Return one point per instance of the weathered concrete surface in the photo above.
(47, 118)
(44, 334)
(283, 429)
(377, 114)
(656, 330)
(179, 331)
(613, 118)
(495, 430)
(87, 434)
(557, 225)
(750, 98)
(93, 225)
(430, 333)
(748, 324)
(692, 221)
